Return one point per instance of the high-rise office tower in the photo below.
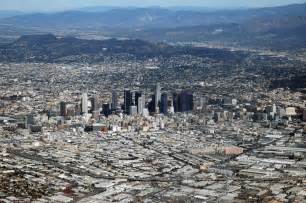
(151, 106)
(84, 103)
(164, 104)
(63, 109)
(274, 108)
(175, 98)
(114, 100)
(185, 101)
(94, 104)
(141, 104)
(78, 109)
(106, 110)
(171, 108)
(133, 110)
(157, 96)
(137, 96)
(127, 101)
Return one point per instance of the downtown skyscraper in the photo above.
(157, 97)
(84, 108)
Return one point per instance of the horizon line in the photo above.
(152, 6)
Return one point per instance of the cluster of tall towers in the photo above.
(135, 103)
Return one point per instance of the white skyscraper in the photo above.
(274, 108)
(157, 96)
(84, 103)
(141, 105)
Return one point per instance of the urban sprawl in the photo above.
(177, 129)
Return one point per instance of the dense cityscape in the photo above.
(128, 120)
(112, 132)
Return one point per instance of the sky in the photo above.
(57, 5)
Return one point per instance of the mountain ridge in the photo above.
(149, 17)
(266, 28)
(49, 48)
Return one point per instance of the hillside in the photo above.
(49, 48)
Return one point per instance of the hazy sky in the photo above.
(52, 5)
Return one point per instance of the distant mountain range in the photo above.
(151, 17)
(7, 14)
(277, 34)
(263, 27)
